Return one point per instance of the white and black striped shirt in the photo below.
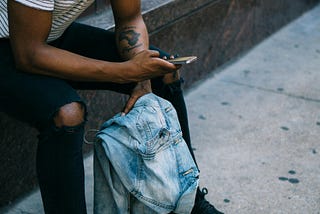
(64, 12)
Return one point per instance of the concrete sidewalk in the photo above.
(256, 125)
(255, 128)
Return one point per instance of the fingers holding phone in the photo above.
(147, 64)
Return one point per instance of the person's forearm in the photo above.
(132, 37)
(51, 61)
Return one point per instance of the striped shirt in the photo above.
(64, 12)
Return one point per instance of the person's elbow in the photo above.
(26, 58)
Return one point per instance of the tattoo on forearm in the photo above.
(131, 36)
(128, 48)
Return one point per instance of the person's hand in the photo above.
(147, 65)
(144, 87)
(141, 89)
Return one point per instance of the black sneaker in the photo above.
(202, 206)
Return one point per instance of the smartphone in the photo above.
(182, 60)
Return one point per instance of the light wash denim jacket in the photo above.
(144, 162)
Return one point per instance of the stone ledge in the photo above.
(104, 18)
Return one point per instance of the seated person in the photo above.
(45, 56)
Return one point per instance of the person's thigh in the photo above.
(89, 41)
(29, 97)
(35, 98)
(93, 42)
(99, 44)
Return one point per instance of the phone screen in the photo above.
(183, 60)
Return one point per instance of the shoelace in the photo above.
(203, 206)
(204, 192)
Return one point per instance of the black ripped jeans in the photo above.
(36, 98)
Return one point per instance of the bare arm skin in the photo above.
(29, 29)
(131, 33)
(132, 40)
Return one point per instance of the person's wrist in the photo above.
(128, 69)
